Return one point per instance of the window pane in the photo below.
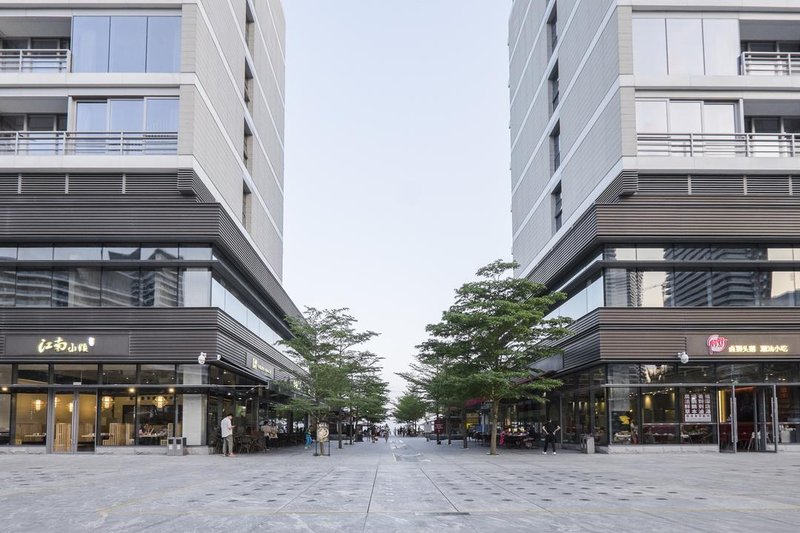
(91, 117)
(34, 288)
(90, 44)
(163, 44)
(779, 289)
(616, 286)
(31, 419)
(68, 374)
(78, 287)
(624, 405)
(651, 116)
(157, 374)
(196, 253)
(128, 44)
(691, 288)
(621, 254)
(116, 418)
(743, 373)
(122, 253)
(651, 289)
(685, 42)
(696, 373)
(623, 374)
(8, 253)
(685, 117)
(76, 253)
(126, 115)
(162, 114)
(120, 288)
(119, 374)
(658, 411)
(736, 253)
(163, 253)
(719, 118)
(780, 254)
(5, 418)
(8, 280)
(196, 288)
(722, 46)
(5, 374)
(650, 254)
(594, 294)
(160, 287)
(32, 375)
(155, 418)
(35, 253)
(733, 288)
(649, 47)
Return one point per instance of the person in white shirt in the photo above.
(227, 435)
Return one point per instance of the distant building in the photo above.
(141, 222)
(655, 170)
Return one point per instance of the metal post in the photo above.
(734, 421)
(775, 417)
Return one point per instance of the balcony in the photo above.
(27, 60)
(770, 63)
(38, 143)
(718, 144)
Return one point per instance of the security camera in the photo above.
(684, 357)
(201, 359)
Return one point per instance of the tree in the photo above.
(489, 339)
(410, 407)
(325, 344)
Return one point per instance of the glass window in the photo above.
(69, 374)
(731, 289)
(620, 253)
(116, 418)
(8, 253)
(33, 375)
(8, 280)
(651, 116)
(649, 47)
(35, 253)
(685, 117)
(692, 288)
(685, 41)
(76, 253)
(78, 287)
(616, 287)
(195, 253)
(217, 294)
(780, 372)
(721, 46)
(719, 118)
(91, 117)
(659, 416)
(155, 418)
(120, 288)
(779, 289)
(193, 374)
(696, 373)
(651, 289)
(119, 374)
(34, 288)
(159, 253)
(659, 373)
(623, 374)
(689, 253)
(90, 39)
(163, 44)
(5, 374)
(697, 415)
(5, 418)
(126, 115)
(128, 44)
(162, 114)
(650, 253)
(31, 419)
(594, 294)
(157, 374)
(736, 253)
(160, 287)
(122, 253)
(220, 376)
(623, 402)
(196, 287)
(740, 373)
(780, 254)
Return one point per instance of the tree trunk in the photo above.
(449, 429)
(339, 429)
(352, 425)
(493, 421)
(464, 425)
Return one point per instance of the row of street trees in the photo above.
(343, 377)
(486, 345)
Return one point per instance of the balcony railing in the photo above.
(34, 60)
(719, 144)
(770, 63)
(87, 143)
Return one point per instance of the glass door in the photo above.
(726, 418)
(74, 417)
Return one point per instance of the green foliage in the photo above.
(488, 341)
(409, 408)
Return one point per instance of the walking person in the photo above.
(309, 441)
(550, 429)
(227, 435)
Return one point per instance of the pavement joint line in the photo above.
(371, 493)
(437, 488)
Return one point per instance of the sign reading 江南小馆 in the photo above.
(719, 345)
(259, 366)
(55, 344)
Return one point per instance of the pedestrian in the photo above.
(550, 429)
(309, 441)
(265, 430)
(227, 435)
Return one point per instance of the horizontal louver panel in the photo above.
(95, 184)
(768, 185)
(9, 184)
(151, 184)
(717, 185)
(664, 185)
(40, 185)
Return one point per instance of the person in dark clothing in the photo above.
(550, 429)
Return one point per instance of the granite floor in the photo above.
(403, 485)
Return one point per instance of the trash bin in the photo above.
(587, 444)
(176, 446)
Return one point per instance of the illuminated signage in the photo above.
(259, 366)
(758, 344)
(59, 345)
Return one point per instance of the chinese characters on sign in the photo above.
(697, 407)
(758, 348)
(745, 344)
(61, 345)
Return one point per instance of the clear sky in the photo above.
(397, 159)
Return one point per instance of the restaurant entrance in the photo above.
(73, 422)
(746, 420)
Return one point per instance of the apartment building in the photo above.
(656, 180)
(141, 222)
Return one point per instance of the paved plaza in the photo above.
(404, 485)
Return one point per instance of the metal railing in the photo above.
(770, 63)
(719, 144)
(87, 143)
(34, 60)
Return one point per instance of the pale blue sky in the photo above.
(397, 154)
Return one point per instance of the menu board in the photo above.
(697, 407)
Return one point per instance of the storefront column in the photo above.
(194, 409)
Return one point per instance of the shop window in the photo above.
(659, 416)
(739, 373)
(623, 404)
(624, 374)
(5, 374)
(116, 421)
(157, 374)
(119, 374)
(599, 422)
(696, 374)
(697, 416)
(155, 417)
(193, 374)
(597, 376)
(220, 376)
(780, 372)
(69, 374)
(5, 419)
(31, 419)
(788, 414)
(659, 373)
(33, 375)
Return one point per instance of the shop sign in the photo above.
(259, 366)
(717, 344)
(438, 425)
(66, 345)
(322, 432)
(697, 407)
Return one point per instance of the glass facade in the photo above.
(126, 44)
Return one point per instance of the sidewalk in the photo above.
(406, 485)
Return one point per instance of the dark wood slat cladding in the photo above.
(623, 185)
(582, 350)
(190, 184)
(95, 184)
(127, 222)
(249, 341)
(569, 251)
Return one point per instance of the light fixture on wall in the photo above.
(70, 406)
(107, 402)
(37, 404)
(159, 401)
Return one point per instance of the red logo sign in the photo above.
(716, 344)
